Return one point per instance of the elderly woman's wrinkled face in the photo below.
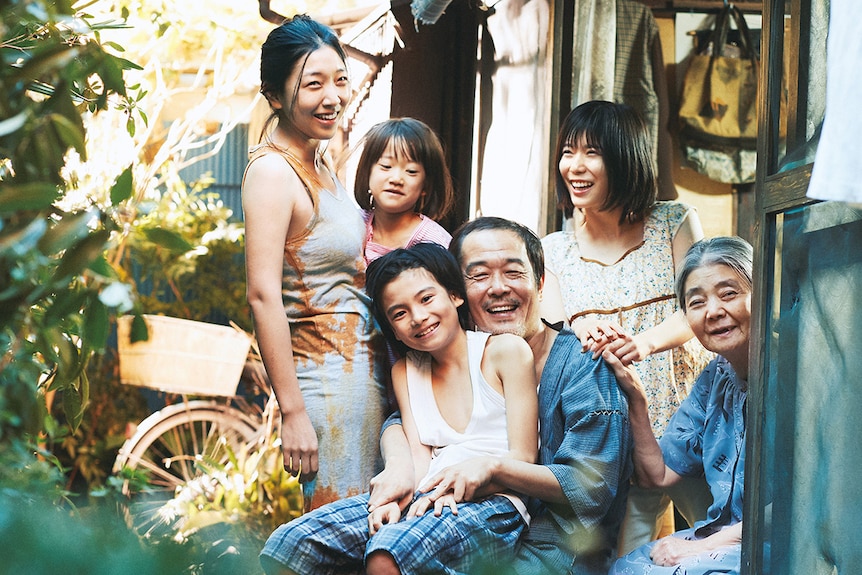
(718, 308)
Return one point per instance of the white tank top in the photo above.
(486, 432)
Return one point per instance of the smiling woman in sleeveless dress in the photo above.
(306, 272)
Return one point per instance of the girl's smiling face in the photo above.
(396, 182)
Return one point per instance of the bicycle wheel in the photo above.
(167, 451)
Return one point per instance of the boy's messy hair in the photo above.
(416, 141)
(428, 256)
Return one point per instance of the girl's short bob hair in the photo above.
(288, 47)
(425, 255)
(731, 251)
(414, 140)
(620, 135)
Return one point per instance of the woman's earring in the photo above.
(370, 199)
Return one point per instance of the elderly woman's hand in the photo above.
(627, 378)
(672, 550)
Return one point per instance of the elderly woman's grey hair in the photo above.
(731, 251)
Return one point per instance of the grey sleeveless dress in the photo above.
(339, 353)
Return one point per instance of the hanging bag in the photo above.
(719, 98)
(718, 107)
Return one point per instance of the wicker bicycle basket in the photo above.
(183, 356)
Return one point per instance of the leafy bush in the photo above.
(60, 288)
(252, 490)
(185, 253)
(53, 276)
(49, 539)
(185, 257)
(88, 452)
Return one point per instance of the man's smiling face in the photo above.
(502, 292)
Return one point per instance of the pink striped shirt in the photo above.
(427, 231)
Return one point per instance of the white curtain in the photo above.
(835, 175)
(512, 182)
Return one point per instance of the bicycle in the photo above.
(173, 445)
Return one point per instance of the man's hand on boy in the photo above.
(465, 481)
(424, 503)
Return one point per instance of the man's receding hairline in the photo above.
(512, 233)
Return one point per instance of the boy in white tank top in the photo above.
(461, 395)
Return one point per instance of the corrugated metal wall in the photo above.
(226, 167)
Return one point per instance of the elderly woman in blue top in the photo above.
(706, 437)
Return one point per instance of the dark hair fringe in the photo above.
(619, 133)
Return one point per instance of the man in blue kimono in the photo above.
(577, 490)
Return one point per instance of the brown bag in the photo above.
(719, 97)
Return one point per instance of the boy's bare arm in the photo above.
(420, 453)
(512, 362)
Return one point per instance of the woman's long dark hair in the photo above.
(618, 132)
(287, 47)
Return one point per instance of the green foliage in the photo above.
(57, 290)
(186, 255)
(53, 71)
(60, 287)
(31, 479)
(88, 453)
(251, 490)
(44, 534)
(44, 539)
(64, 224)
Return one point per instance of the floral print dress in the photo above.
(637, 292)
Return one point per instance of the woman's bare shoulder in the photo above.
(270, 174)
(270, 165)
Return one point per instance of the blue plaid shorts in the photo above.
(334, 539)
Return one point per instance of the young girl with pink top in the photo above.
(403, 185)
